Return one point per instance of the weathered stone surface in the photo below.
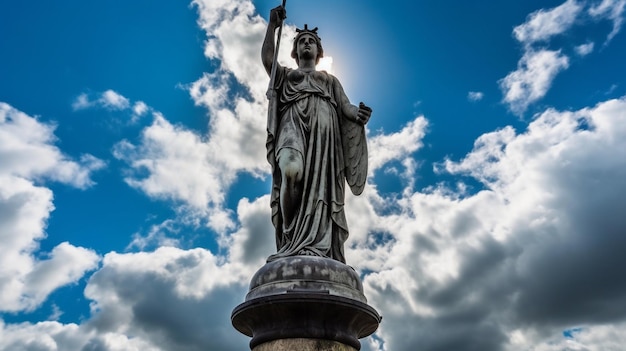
(306, 274)
(301, 344)
(305, 315)
(315, 143)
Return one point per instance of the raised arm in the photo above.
(277, 15)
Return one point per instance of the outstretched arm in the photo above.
(277, 15)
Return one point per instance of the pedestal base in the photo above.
(303, 345)
(318, 301)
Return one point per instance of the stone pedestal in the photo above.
(305, 303)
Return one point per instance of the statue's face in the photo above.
(307, 47)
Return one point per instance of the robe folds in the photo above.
(307, 117)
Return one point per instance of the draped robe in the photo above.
(309, 120)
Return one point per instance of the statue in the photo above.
(316, 142)
(305, 296)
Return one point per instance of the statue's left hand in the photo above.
(363, 114)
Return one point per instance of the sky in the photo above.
(134, 204)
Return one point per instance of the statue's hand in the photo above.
(363, 114)
(277, 15)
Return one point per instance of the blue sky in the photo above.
(133, 180)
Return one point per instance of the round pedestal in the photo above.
(304, 297)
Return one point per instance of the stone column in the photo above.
(302, 344)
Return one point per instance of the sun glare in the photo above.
(325, 64)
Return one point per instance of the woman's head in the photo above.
(307, 34)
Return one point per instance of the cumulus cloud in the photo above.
(532, 79)
(513, 266)
(399, 145)
(168, 299)
(27, 150)
(28, 153)
(180, 166)
(157, 296)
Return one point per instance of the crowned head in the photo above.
(306, 32)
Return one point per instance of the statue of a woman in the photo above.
(316, 141)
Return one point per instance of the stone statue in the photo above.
(316, 142)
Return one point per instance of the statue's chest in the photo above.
(304, 79)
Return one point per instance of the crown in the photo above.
(306, 30)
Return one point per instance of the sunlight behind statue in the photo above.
(316, 142)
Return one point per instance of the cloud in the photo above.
(510, 267)
(27, 153)
(475, 95)
(612, 10)
(168, 299)
(110, 100)
(543, 24)
(156, 296)
(254, 241)
(386, 147)
(584, 49)
(27, 150)
(532, 79)
(157, 236)
(113, 101)
(535, 253)
(539, 65)
(178, 165)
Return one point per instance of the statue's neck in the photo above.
(306, 65)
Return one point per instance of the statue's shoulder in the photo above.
(329, 77)
(323, 71)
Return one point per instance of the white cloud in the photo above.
(27, 150)
(55, 336)
(182, 167)
(542, 24)
(532, 79)
(27, 153)
(386, 147)
(158, 235)
(110, 100)
(539, 66)
(325, 64)
(113, 100)
(475, 95)
(139, 109)
(584, 49)
(81, 102)
(612, 10)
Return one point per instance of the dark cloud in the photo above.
(153, 302)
